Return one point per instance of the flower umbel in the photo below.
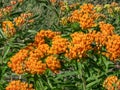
(18, 85)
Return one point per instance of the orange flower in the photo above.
(99, 38)
(87, 7)
(16, 62)
(40, 51)
(29, 58)
(35, 66)
(86, 16)
(59, 45)
(106, 29)
(39, 38)
(26, 15)
(33, 63)
(79, 45)
(8, 28)
(53, 63)
(113, 47)
(75, 16)
(18, 85)
(19, 21)
(109, 81)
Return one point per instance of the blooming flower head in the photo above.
(23, 18)
(19, 21)
(40, 37)
(106, 29)
(59, 45)
(87, 7)
(110, 82)
(8, 28)
(18, 85)
(16, 62)
(53, 64)
(79, 45)
(35, 66)
(113, 47)
(86, 16)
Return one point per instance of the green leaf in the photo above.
(6, 51)
(66, 74)
(2, 34)
(32, 31)
(93, 83)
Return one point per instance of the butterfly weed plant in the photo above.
(59, 45)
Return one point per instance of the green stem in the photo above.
(38, 83)
(48, 81)
(80, 75)
(41, 85)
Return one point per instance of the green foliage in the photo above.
(87, 74)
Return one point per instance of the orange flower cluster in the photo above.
(53, 63)
(40, 51)
(79, 45)
(87, 8)
(82, 42)
(8, 28)
(106, 29)
(75, 16)
(16, 62)
(35, 57)
(109, 39)
(39, 38)
(23, 18)
(35, 66)
(7, 9)
(30, 59)
(99, 38)
(59, 45)
(18, 85)
(86, 16)
(112, 83)
(113, 47)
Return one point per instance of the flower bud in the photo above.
(107, 6)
